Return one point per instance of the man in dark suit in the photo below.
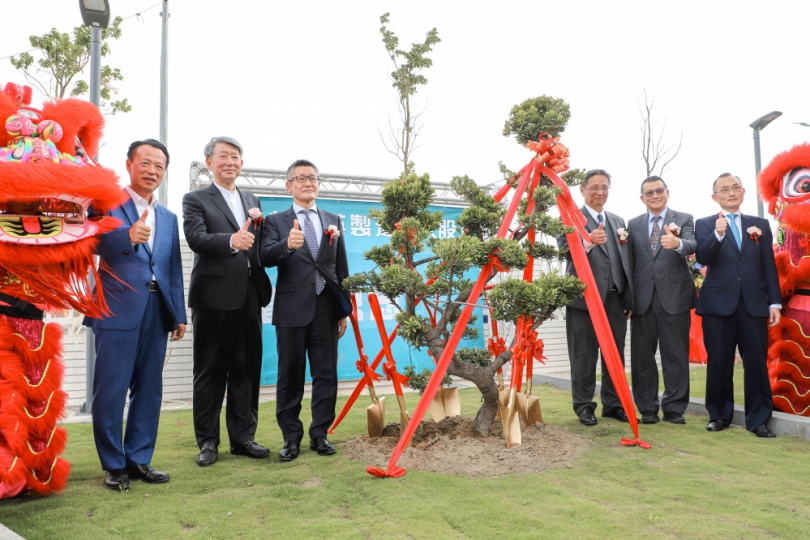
(739, 297)
(664, 294)
(228, 289)
(610, 262)
(307, 246)
(142, 274)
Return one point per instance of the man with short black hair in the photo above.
(740, 296)
(228, 289)
(142, 274)
(307, 246)
(610, 262)
(664, 293)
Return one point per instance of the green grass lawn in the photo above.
(691, 484)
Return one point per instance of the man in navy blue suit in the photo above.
(739, 298)
(142, 275)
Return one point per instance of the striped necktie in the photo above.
(312, 242)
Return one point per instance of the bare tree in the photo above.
(654, 149)
(406, 78)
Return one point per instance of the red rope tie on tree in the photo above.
(391, 374)
(496, 262)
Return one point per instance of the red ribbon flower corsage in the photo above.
(755, 233)
(623, 235)
(257, 216)
(674, 229)
(332, 232)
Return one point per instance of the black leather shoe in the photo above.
(716, 425)
(117, 479)
(674, 418)
(650, 417)
(764, 432)
(208, 456)
(586, 417)
(322, 446)
(147, 473)
(250, 449)
(290, 450)
(617, 414)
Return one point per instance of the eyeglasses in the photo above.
(597, 189)
(736, 188)
(305, 179)
(656, 191)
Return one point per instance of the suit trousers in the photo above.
(129, 360)
(721, 336)
(653, 328)
(583, 351)
(319, 341)
(227, 355)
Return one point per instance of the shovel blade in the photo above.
(375, 414)
(445, 403)
(512, 434)
(520, 404)
(533, 412)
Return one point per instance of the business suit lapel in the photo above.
(160, 227)
(223, 205)
(290, 218)
(131, 211)
(247, 204)
(745, 238)
(640, 231)
(325, 226)
(591, 225)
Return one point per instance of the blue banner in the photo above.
(361, 234)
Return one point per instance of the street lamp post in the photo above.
(96, 15)
(758, 125)
(163, 190)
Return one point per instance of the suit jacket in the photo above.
(668, 272)
(294, 304)
(600, 261)
(125, 271)
(749, 271)
(219, 277)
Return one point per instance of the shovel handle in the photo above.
(376, 312)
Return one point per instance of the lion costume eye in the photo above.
(796, 183)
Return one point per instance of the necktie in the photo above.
(312, 242)
(655, 235)
(599, 219)
(734, 230)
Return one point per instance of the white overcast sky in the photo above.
(310, 80)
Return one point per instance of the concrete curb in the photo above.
(781, 423)
(8, 534)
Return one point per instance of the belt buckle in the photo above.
(153, 287)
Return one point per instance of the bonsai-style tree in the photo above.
(420, 270)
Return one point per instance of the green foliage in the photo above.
(474, 355)
(508, 251)
(63, 57)
(407, 197)
(573, 177)
(420, 380)
(413, 329)
(533, 116)
(513, 298)
(484, 215)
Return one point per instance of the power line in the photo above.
(137, 14)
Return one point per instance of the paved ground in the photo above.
(8, 534)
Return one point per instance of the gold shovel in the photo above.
(375, 413)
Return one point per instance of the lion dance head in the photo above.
(785, 187)
(47, 183)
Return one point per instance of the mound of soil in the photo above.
(453, 446)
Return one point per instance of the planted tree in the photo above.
(59, 59)
(416, 269)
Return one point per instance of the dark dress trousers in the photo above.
(612, 269)
(306, 323)
(740, 285)
(664, 295)
(131, 343)
(225, 297)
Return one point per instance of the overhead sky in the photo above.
(310, 80)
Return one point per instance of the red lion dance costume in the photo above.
(785, 186)
(47, 183)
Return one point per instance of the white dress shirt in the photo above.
(234, 201)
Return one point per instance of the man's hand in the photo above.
(669, 240)
(296, 240)
(139, 232)
(179, 332)
(721, 225)
(776, 316)
(598, 236)
(341, 327)
(628, 313)
(242, 239)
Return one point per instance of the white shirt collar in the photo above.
(140, 201)
(297, 208)
(226, 192)
(595, 214)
